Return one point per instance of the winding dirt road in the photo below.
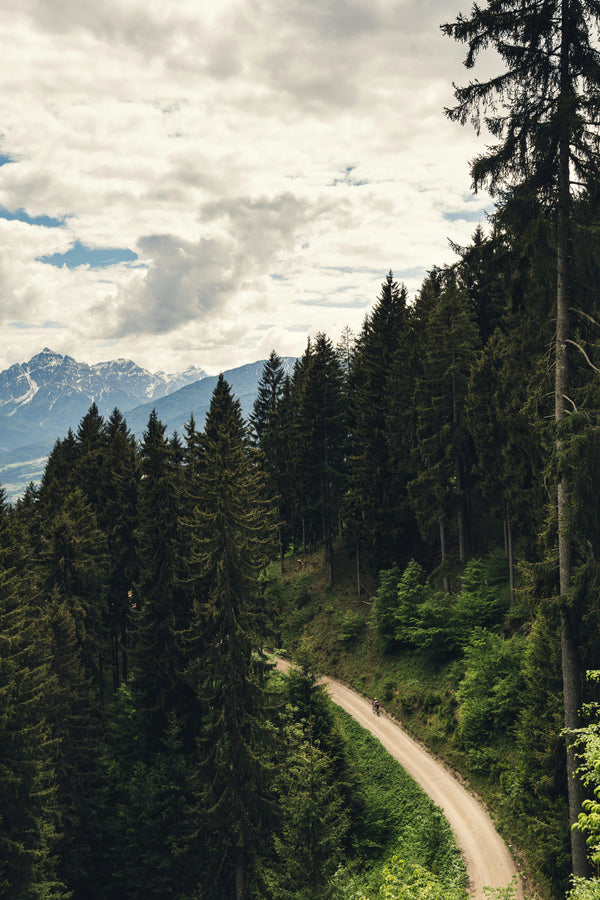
(487, 858)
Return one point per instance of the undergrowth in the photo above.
(333, 630)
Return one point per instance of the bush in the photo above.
(406, 881)
(488, 695)
(408, 611)
(385, 606)
(585, 889)
(350, 628)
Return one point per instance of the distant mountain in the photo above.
(41, 399)
(46, 396)
(174, 410)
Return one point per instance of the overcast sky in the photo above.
(202, 181)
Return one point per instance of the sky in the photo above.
(199, 182)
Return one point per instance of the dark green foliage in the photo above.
(322, 443)
(385, 606)
(379, 382)
(121, 471)
(538, 784)
(409, 611)
(73, 568)
(268, 423)
(308, 848)
(231, 540)
(161, 603)
(153, 846)
(440, 491)
(29, 826)
(490, 690)
(528, 107)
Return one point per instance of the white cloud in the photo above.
(267, 162)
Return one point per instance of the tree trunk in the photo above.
(443, 552)
(460, 514)
(570, 665)
(509, 554)
(280, 537)
(239, 876)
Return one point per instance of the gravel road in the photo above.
(487, 858)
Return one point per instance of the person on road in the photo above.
(375, 705)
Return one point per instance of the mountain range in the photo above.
(41, 399)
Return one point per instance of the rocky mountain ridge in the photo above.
(48, 379)
(44, 397)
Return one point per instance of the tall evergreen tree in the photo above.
(89, 471)
(374, 507)
(121, 476)
(162, 602)
(28, 804)
(440, 491)
(73, 564)
(322, 447)
(544, 111)
(266, 425)
(231, 539)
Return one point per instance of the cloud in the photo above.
(266, 163)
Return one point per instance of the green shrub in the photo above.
(385, 606)
(585, 889)
(351, 626)
(411, 595)
(488, 695)
(410, 881)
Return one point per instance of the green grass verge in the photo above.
(397, 819)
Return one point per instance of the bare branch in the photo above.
(568, 399)
(584, 315)
(584, 354)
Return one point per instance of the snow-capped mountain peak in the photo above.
(50, 382)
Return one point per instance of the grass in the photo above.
(331, 629)
(397, 818)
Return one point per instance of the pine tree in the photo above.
(231, 540)
(544, 111)
(440, 491)
(57, 475)
(28, 815)
(121, 477)
(266, 425)
(162, 602)
(322, 433)
(88, 473)
(374, 495)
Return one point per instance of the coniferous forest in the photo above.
(450, 449)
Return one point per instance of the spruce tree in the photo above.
(28, 801)
(88, 473)
(73, 566)
(322, 442)
(121, 476)
(374, 496)
(544, 111)
(266, 425)
(231, 540)
(440, 490)
(162, 604)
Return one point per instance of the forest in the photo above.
(450, 449)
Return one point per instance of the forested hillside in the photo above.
(450, 451)
(147, 746)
